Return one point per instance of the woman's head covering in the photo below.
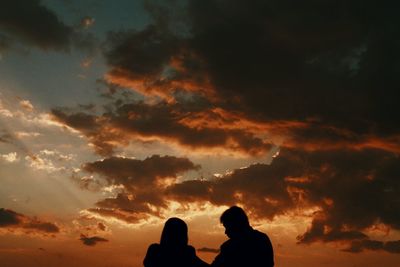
(175, 233)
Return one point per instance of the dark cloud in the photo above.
(321, 76)
(178, 123)
(269, 62)
(350, 191)
(15, 221)
(300, 61)
(261, 188)
(5, 137)
(91, 126)
(273, 60)
(209, 250)
(42, 226)
(158, 62)
(33, 23)
(133, 173)
(367, 244)
(116, 213)
(392, 246)
(142, 182)
(8, 217)
(91, 241)
(140, 57)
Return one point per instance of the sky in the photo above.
(117, 115)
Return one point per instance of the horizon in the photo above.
(117, 116)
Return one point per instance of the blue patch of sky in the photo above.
(51, 79)
(108, 15)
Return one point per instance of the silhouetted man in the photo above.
(246, 247)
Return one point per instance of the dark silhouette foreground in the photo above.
(246, 247)
(173, 250)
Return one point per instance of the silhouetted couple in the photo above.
(246, 247)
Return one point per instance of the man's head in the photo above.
(235, 221)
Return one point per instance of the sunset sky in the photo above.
(116, 115)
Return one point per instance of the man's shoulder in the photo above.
(191, 250)
(260, 235)
(227, 245)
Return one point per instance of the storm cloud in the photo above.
(30, 23)
(13, 221)
(350, 191)
(316, 68)
(142, 182)
(191, 127)
(275, 59)
(33, 23)
(317, 79)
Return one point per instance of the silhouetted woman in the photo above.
(173, 250)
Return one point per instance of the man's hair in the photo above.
(235, 216)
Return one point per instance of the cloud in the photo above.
(179, 123)
(141, 181)
(260, 188)
(10, 157)
(209, 250)
(12, 221)
(8, 217)
(91, 241)
(5, 137)
(367, 244)
(33, 23)
(50, 161)
(350, 190)
(104, 140)
(248, 76)
(271, 63)
(134, 173)
(128, 216)
(27, 105)
(270, 67)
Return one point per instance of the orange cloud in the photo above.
(13, 221)
(165, 122)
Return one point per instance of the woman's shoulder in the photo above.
(190, 249)
(157, 248)
(152, 255)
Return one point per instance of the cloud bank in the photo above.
(13, 221)
(315, 79)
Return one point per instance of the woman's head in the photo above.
(175, 233)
